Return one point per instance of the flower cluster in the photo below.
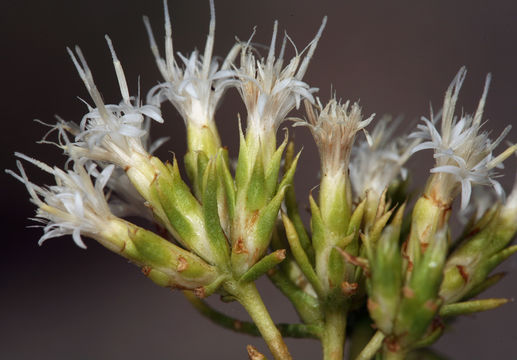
(224, 228)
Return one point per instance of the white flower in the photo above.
(74, 205)
(111, 133)
(270, 90)
(379, 159)
(462, 151)
(334, 128)
(195, 84)
(124, 200)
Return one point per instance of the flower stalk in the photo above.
(249, 297)
(373, 346)
(334, 333)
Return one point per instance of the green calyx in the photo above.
(195, 164)
(163, 262)
(258, 196)
(420, 301)
(195, 225)
(385, 282)
(333, 232)
(335, 202)
(428, 217)
(478, 254)
(203, 138)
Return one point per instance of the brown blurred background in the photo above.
(60, 302)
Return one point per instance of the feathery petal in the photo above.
(375, 164)
(196, 85)
(269, 90)
(74, 205)
(334, 128)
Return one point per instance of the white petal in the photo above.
(103, 177)
(466, 189)
(131, 118)
(454, 170)
(153, 112)
(130, 131)
(423, 146)
(76, 235)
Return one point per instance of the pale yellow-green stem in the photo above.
(372, 347)
(249, 297)
(334, 333)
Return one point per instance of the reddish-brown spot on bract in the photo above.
(182, 264)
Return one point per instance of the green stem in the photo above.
(249, 297)
(333, 337)
(372, 347)
(246, 327)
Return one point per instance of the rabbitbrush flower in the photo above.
(369, 260)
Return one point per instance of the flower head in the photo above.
(463, 152)
(111, 133)
(379, 159)
(74, 205)
(195, 84)
(334, 128)
(124, 200)
(270, 90)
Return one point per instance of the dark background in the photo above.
(60, 302)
